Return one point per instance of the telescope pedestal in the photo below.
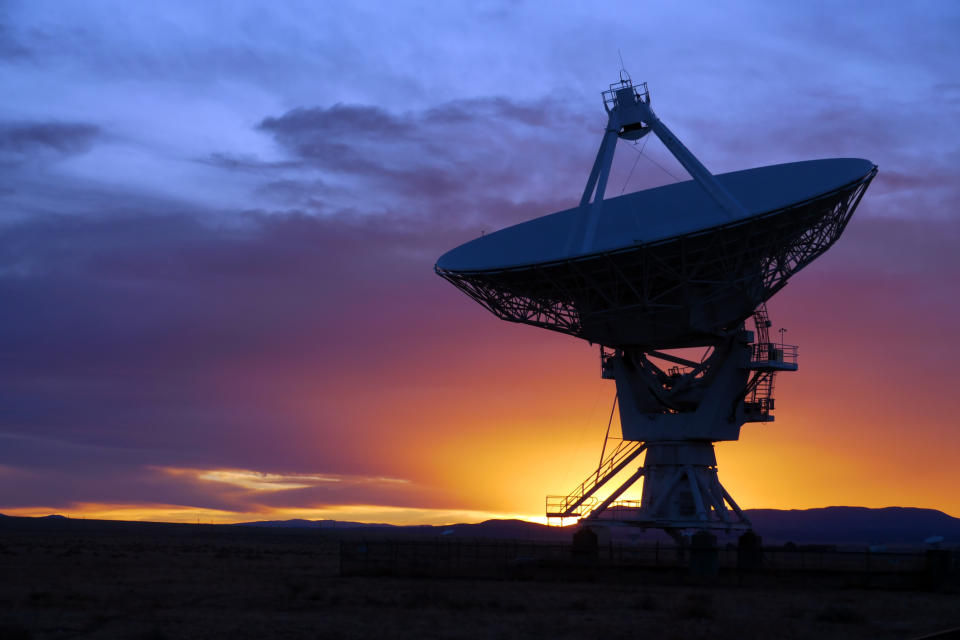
(674, 409)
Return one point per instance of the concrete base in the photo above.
(750, 551)
(704, 556)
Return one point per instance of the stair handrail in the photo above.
(612, 465)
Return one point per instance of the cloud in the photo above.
(11, 49)
(339, 120)
(247, 162)
(260, 481)
(441, 156)
(19, 140)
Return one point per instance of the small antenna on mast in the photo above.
(624, 76)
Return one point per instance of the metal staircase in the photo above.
(581, 499)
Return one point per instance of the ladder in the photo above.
(761, 320)
(759, 401)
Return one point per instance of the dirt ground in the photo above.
(191, 583)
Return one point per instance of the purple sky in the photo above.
(219, 222)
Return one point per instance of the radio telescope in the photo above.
(650, 275)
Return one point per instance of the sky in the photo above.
(218, 225)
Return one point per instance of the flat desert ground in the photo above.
(165, 582)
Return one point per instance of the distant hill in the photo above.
(299, 523)
(848, 526)
(892, 525)
(829, 525)
(507, 529)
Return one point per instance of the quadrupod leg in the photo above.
(681, 490)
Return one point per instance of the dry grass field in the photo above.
(213, 582)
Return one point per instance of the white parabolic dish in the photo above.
(654, 215)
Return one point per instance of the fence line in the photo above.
(503, 558)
